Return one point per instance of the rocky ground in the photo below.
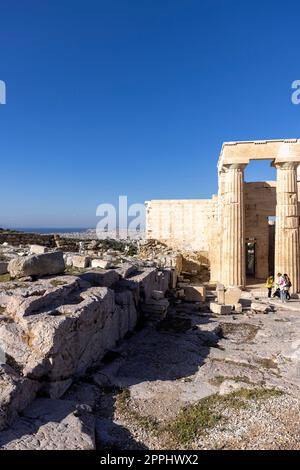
(214, 383)
(191, 381)
(98, 358)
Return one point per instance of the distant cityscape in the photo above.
(85, 233)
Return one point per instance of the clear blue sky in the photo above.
(110, 97)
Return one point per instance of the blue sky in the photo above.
(135, 97)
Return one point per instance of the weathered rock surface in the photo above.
(59, 341)
(101, 278)
(147, 280)
(158, 295)
(155, 309)
(15, 394)
(165, 373)
(79, 261)
(100, 263)
(37, 265)
(164, 368)
(232, 295)
(220, 309)
(126, 270)
(195, 293)
(257, 307)
(51, 425)
(3, 267)
(56, 328)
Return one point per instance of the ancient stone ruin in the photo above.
(227, 227)
(158, 343)
(60, 314)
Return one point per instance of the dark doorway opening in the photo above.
(250, 259)
(271, 246)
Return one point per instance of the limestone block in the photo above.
(220, 286)
(259, 308)
(182, 285)
(68, 258)
(37, 265)
(221, 297)
(195, 293)
(126, 270)
(128, 313)
(15, 394)
(232, 295)
(79, 261)
(238, 308)
(173, 279)
(220, 293)
(220, 309)
(102, 279)
(148, 280)
(163, 279)
(62, 341)
(100, 263)
(3, 267)
(155, 309)
(55, 328)
(42, 296)
(38, 249)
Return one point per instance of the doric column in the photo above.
(287, 224)
(233, 227)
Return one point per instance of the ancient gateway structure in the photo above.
(234, 230)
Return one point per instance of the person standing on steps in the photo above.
(282, 287)
(269, 285)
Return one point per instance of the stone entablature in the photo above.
(275, 150)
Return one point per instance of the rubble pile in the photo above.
(193, 263)
(160, 254)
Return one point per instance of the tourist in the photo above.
(269, 285)
(288, 285)
(282, 287)
(277, 290)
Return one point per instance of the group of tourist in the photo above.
(282, 287)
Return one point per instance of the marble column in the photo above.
(233, 227)
(287, 224)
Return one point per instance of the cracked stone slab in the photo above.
(51, 425)
(15, 393)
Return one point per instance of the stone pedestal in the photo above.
(287, 224)
(233, 228)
